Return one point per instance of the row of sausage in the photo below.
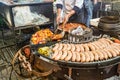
(91, 46)
(106, 50)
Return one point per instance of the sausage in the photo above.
(72, 47)
(116, 51)
(108, 53)
(104, 54)
(81, 48)
(58, 56)
(60, 47)
(91, 56)
(56, 52)
(112, 52)
(64, 55)
(103, 43)
(56, 47)
(96, 47)
(101, 56)
(108, 40)
(68, 47)
(64, 47)
(98, 44)
(69, 56)
(82, 56)
(73, 56)
(86, 48)
(117, 48)
(116, 44)
(96, 56)
(92, 48)
(77, 48)
(78, 58)
(87, 57)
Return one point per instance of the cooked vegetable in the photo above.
(115, 40)
(44, 51)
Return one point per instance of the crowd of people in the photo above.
(76, 11)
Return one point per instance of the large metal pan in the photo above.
(100, 64)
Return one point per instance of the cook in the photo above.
(69, 11)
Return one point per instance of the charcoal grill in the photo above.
(97, 70)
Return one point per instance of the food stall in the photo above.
(71, 53)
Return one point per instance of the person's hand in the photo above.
(66, 18)
(58, 19)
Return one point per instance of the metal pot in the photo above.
(110, 25)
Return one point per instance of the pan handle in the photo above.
(67, 77)
(70, 74)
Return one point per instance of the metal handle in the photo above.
(67, 77)
(69, 73)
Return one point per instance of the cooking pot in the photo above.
(110, 25)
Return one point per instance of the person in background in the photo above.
(97, 7)
(69, 11)
(88, 12)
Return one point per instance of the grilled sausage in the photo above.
(78, 58)
(60, 47)
(91, 47)
(56, 52)
(108, 40)
(86, 48)
(56, 47)
(77, 47)
(96, 47)
(112, 52)
(103, 43)
(116, 51)
(101, 56)
(82, 56)
(108, 53)
(64, 47)
(91, 56)
(87, 57)
(96, 56)
(73, 47)
(69, 56)
(73, 56)
(104, 54)
(98, 44)
(117, 48)
(68, 47)
(58, 56)
(81, 48)
(64, 55)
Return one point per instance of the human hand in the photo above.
(66, 18)
(58, 19)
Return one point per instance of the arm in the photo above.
(59, 5)
(76, 8)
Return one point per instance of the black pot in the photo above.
(110, 25)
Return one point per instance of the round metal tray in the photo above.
(94, 64)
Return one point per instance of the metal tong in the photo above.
(61, 30)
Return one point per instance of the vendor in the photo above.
(88, 8)
(69, 11)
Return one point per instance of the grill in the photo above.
(97, 70)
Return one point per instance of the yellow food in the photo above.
(44, 51)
